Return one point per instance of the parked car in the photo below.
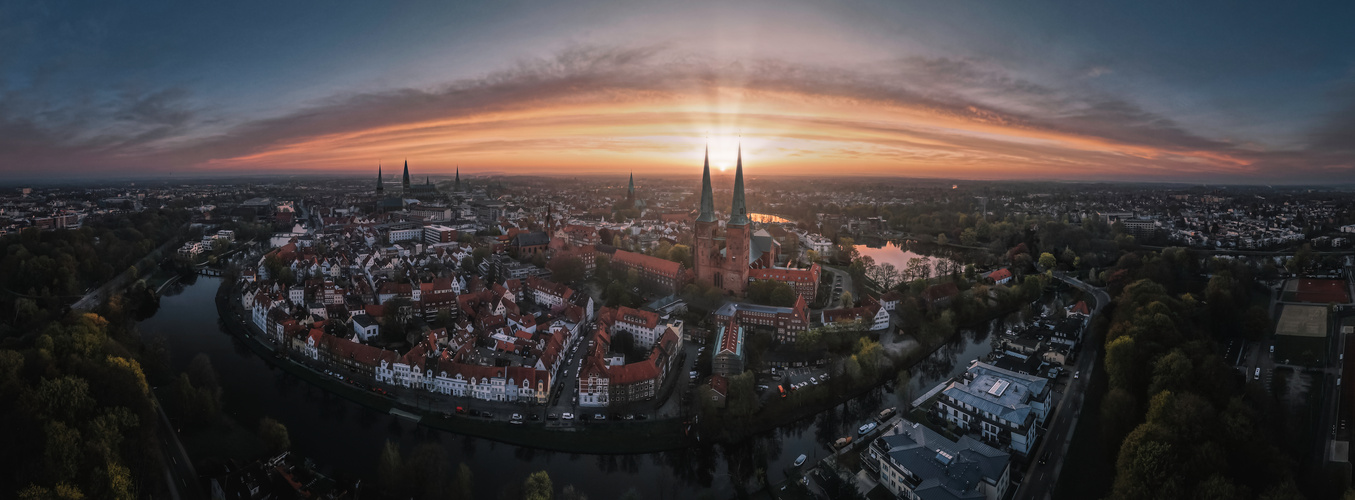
(517, 416)
(552, 416)
(599, 416)
(1044, 459)
(641, 416)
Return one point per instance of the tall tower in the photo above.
(458, 179)
(706, 257)
(737, 236)
(630, 190)
(379, 188)
(406, 181)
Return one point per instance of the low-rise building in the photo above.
(917, 463)
(1005, 408)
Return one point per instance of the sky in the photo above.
(1214, 92)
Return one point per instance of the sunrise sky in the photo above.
(1156, 91)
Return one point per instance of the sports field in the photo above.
(1316, 291)
(1301, 335)
(1302, 321)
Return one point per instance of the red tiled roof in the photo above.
(719, 384)
(634, 372)
(729, 342)
(1000, 274)
(661, 266)
(646, 319)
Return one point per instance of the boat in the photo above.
(800, 460)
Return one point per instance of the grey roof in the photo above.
(533, 238)
(946, 469)
(1011, 403)
(760, 243)
(731, 308)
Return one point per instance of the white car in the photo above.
(567, 416)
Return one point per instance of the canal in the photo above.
(345, 439)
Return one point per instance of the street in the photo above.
(1040, 479)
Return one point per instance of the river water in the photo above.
(345, 439)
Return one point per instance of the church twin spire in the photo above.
(738, 213)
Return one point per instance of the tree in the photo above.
(942, 239)
(742, 399)
(462, 487)
(1047, 261)
(847, 299)
(845, 251)
(389, 467)
(969, 237)
(681, 254)
(566, 269)
(886, 275)
(537, 487)
(1172, 372)
(902, 386)
(274, 436)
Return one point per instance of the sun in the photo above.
(724, 151)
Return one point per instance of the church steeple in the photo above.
(379, 187)
(738, 213)
(707, 194)
(406, 181)
(458, 178)
(630, 190)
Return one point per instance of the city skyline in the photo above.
(1248, 95)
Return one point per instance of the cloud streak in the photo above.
(597, 107)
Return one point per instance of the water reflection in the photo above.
(900, 257)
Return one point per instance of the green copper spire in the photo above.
(630, 190)
(738, 214)
(707, 194)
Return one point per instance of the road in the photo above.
(1039, 480)
(835, 301)
(180, 475)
